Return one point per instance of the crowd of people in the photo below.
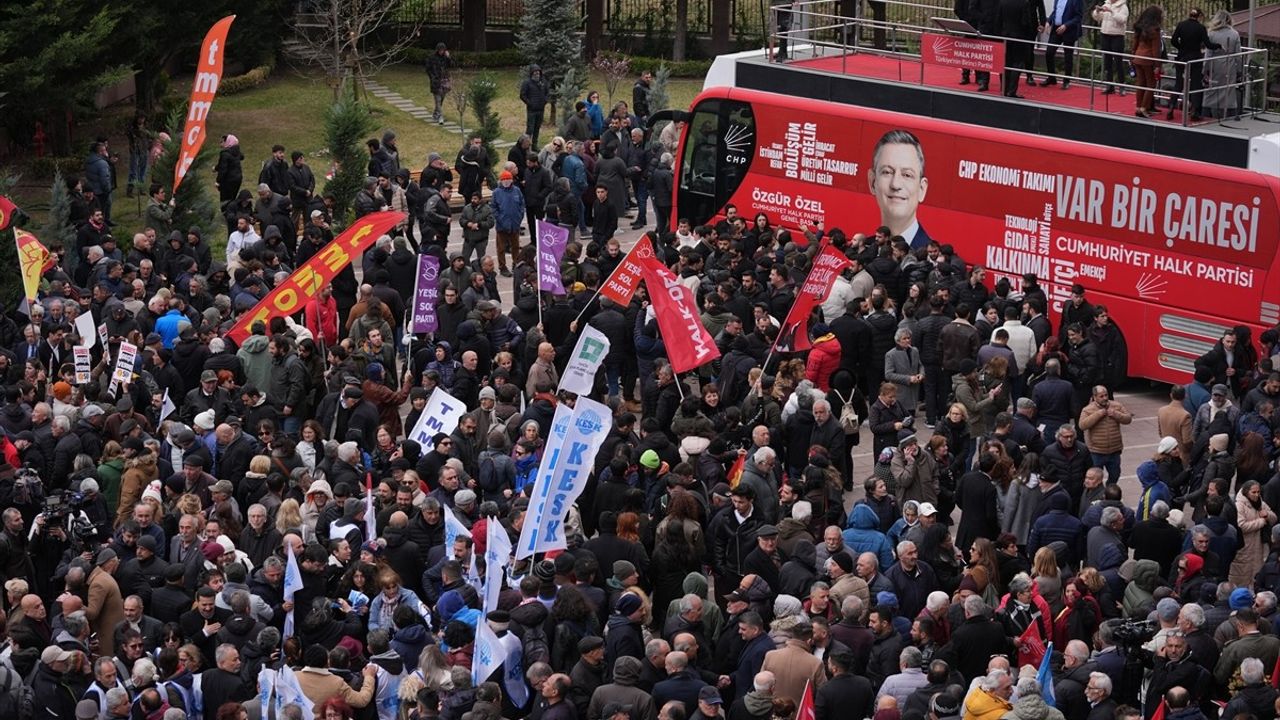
(714, 567)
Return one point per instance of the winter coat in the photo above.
(482, 216)
(900, 364)
(1250, 523)
(1033, 707)
(824, 359)
(623, 690)
(1138, 598)
(1058, 525)
(863, 535)
(508, 208)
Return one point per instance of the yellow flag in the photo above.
(32, 259)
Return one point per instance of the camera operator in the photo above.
(51, 547)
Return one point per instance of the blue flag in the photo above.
(1045, 678)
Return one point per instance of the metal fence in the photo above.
(629, 16)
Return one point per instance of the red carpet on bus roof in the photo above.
(907, 70)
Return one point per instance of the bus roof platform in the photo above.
(1082, 113)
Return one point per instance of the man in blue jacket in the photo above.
(508, 214)
(1064, 29)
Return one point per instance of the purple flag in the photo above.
(425, 294)
(552, 240)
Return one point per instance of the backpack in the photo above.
(17, 699)
(536, 647)
(849, 420)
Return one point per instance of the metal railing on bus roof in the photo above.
(817, 26)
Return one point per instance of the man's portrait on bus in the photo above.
(897, 180)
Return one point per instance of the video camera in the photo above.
(59, 504)
(63, 509)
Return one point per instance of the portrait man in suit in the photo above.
(899, 185)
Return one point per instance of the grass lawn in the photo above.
(289, 109)
(411, 82)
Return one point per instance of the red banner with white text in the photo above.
(686, 339)
(319, 270)
(794, 335)
(621, 285)
(203, 90)
(965, 53)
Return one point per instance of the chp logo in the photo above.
(943, 45)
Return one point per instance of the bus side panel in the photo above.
(1188, 238)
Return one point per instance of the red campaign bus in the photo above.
(1178, 250)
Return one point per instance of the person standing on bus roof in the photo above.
(1067, 20)
(898, 183)
(1017, 21)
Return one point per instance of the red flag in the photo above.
(292, 295)
(805, 710)
(203, 90)
(794, 334)
(621, 284)
(1275, 674)
(7, 210)
(688, 343)
(735, 471)
(1161, 711)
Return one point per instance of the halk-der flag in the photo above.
(203, 90)
(688, 343)
(579, 374)
(793, 336)
(33, 258)
(298, 289)
(7, 211)
(621, 284)
(551, 242)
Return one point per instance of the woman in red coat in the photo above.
(824, 358)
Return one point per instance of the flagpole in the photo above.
(600, 287)
(537, 285)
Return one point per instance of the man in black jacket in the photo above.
(537, 185)
(534, 94)
(275, 172)
(975, 642)
(1190, 38)
(845, 694)
(201, 624)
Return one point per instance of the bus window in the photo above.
(699, 163)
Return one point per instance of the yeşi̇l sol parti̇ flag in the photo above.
(688, 343)
(551, 242)
(621, 285)
(426, 291)
(203, 90)
(793, 336)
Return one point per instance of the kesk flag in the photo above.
(793, 336)
(426, 291)
(621, 284)
(513, 670)
(552, 240)
(497, 552)
(441, 415)
(292, 584)
(542, 479)
(370, 514)
(688, 343)
(579, 374)
(33, 258)
(298, 289)
(488, 655)
(453, 527)
(7, 211)
(203, 90)
(572, 461)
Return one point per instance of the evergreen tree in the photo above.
(482, 90)
(346, 125)
(60, 228)
(194, 205)
(567, 92)
(547, 37)
(659, 99)
(11, 290)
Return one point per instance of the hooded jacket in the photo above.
(1153, 489)
(623, 690)
(1138, 598)
(1033, 707)
(863, 535)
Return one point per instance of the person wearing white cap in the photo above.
(49, 691)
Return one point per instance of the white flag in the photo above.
(453, 527)
(550, 455)
(266, 688)
(489, 653)
(441, 415)
(289, 692)
(370, 517)
(565, 476)
(588, 355)
(513, 670)
(166, 406)
(85, 329)
(497, 554)
(292, 584)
